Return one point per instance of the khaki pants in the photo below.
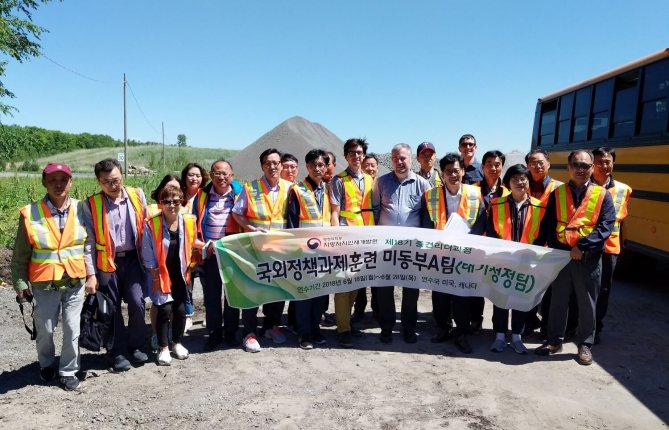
(343, 304)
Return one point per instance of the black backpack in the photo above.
(97, 319)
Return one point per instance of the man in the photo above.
(427, 156)
(351, 200)
(473, 172)
(438, 205)
(541, 185)
(309, 206)
(289, 169)
(213, 208)
(330, 167)
(48, 264)
(579, 218)
(398, 196)
(114, 222)
(491, 188)
(370, 164)
(259, 208)
(620, 193)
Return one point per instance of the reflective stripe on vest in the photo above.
(501, 217)
(310, 214)
(544, 195)
(620, 194)
(54, 253)
(574, 223)
(189, 230)
(201, 198)
(470, 201)
(261, 212)
(103, 242)
(358, 204)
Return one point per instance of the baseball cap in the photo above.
(423, 146)
(57, 167)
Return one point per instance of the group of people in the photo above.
(116, 243)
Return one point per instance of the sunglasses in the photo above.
(581, 166)
(176, 202)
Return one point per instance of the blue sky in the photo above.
(225, 72)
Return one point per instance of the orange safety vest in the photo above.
(574, 223)
(103, 242)
(501, 218)
(189, 230)
(358, 204)
(54, 253)
(261, 212)
(470, 201)
(310, 214)
(546, 193)
(201, 197)
(620, 194)
(505, 191)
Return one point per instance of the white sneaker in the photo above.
(250, 343)
(180, 351)
(276, 335)
(164, 357)
(498, 345)
(519, 347)
(189, 324)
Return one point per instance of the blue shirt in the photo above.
(399, 203)
(473, 173)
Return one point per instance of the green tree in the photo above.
(181, 140)
(19, 38)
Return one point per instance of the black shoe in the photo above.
(463, 344)
(548, 348)
(328, 320)
(212, 342)
(69, 383)
(319, 339)
(386, 336)
(231, 340)
(598, 338)
(47, 374)
(443, 334)
(356, 332)
(345, 340)
(410, 337)
(120, 364)
(357, 316)
(475, 327)
(138, 357)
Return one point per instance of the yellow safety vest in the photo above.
(620, 194)
(470, 201)
(261, 212)
(310, 214)
(574, 223)
(358, 204)
(189, 229)
(501, 218)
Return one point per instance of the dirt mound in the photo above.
(5, 260)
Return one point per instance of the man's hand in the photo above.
(91, 285)
(576, 254)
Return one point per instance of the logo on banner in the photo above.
(313, 243)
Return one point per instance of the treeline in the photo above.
(29, 143)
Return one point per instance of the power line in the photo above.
(42, 54)
(142, 111)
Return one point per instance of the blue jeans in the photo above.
(308, 314)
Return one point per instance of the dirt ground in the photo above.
(378, 386)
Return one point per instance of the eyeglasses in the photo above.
(271, 163)
(175, 202)
(450, 172)
(606, 163)
(356, 153)
(580, 166)
(221, 175)
(318, 165)
(467, 144)
(112, 182)
(537, 163)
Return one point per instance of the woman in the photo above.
(516, 217)
(167, 252)
(193, 177)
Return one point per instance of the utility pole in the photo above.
(163, 124)
(125, 130)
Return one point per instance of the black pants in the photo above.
(177, 310)
(572, 313)
(500, 320)
(444, 305)
(215, 314)
(385, 297)
(272, 311)
(608, 267)
(477, 306)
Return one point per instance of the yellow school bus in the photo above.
(626, 109)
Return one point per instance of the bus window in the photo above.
(548, 117)
(625, 104)
(599, 127)
(564, 124)
(654, 104)
(582, 114)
